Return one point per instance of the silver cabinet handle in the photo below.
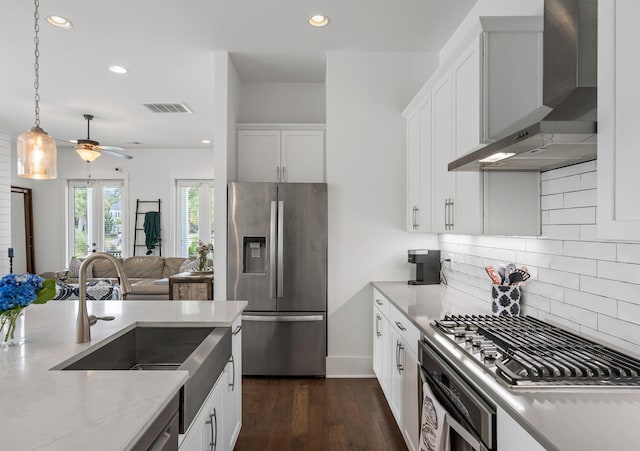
(416, 214)
(400, 326)
(451, 224)
(237, 331)
(397, 355)
(280, 283)
(446, 207)
(282, 318)
(378, 301)
(213, 424)
(284, 177)
(233, 367)
(272, 250)
(400, 349)
(378, 334)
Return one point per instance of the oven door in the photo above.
(470, 420)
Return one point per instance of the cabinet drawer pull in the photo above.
(378, 334)
(400, 326)
(213, 424)
(237, 331)
(233, 372)
(400, 349)
(378, 301)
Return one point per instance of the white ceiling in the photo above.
(168, 48)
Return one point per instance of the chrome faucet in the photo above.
(84, 326)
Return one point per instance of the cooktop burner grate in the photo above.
(532, 351)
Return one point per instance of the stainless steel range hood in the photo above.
(566, 135)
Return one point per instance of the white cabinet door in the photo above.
(410, 428)
(443, 180)
(206, 431)
(397, 379)
(512, 436)
(258, 155)
(413, 173)
(302, 156)
(382, 357)
(233, 395)
(618, 98)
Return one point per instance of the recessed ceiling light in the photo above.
(318, 20)
(206, 141)
(59, 21)
(118, 70)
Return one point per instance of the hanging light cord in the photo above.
(36, 66)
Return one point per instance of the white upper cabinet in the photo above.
(271, 155)
(618, 100)
(489, 87)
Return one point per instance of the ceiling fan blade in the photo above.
(111, 148)
(109, 151)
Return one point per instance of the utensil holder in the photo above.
(505, 300)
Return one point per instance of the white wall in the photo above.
(150, 175)
(282, 103)
(366, 175)
(579, 282)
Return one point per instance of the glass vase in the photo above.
(12, 330)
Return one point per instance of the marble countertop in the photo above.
(47, 409)
(560, 419)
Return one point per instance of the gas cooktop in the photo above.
(524, 352)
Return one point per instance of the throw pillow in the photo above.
(74, 268)
(189, 265)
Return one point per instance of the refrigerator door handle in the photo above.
(282, 318)
(272, 251)
(280, 283)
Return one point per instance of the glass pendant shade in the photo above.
(88, 154)
(37, 155)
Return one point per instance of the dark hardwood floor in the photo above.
(300, 414)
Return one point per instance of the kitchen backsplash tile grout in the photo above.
(577, 281)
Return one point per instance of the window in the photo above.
(96, 219)
(195, 215)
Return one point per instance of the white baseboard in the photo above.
(349, 366)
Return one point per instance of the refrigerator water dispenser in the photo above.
(254, 255)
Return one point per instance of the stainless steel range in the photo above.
(524, 352)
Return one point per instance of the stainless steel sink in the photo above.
(202, 351)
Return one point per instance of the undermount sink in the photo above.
(202, 351)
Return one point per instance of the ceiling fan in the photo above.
(89, 150)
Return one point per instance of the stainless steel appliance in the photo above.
(427, 266)
(564, 129)
(526, 353)
(277, 261)
(471, 419)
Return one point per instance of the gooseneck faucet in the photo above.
(84, 328)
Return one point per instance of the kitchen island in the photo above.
(589, 418)
(48, 409)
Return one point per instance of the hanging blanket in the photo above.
(97, 290)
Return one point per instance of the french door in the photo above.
(97, 222)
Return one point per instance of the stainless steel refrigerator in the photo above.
(277, 260)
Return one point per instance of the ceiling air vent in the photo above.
(168, 107)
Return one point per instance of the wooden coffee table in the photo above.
(191, 286)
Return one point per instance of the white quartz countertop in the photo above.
(47, 409)
(560, 419)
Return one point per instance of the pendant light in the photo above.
(36, 149)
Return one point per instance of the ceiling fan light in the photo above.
(87, 153)
(36, 155)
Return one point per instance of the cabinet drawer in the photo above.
(404, 328)
(381, 302)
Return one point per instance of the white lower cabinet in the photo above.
(513, 436)
(233, 395)
(395, 365)
(206, 432)
(217, 425)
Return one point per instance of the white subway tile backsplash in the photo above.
(571, 264)
(629, 253)
(562, 232)
(597, 251)
(583, 215)
(575, 314)
(586, 198)
(611, 288)
(588, 180)
(625, 272)
(578, 281)
(561, 185)
(552, 202)
(595, 303)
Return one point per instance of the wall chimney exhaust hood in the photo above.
(566, 135)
